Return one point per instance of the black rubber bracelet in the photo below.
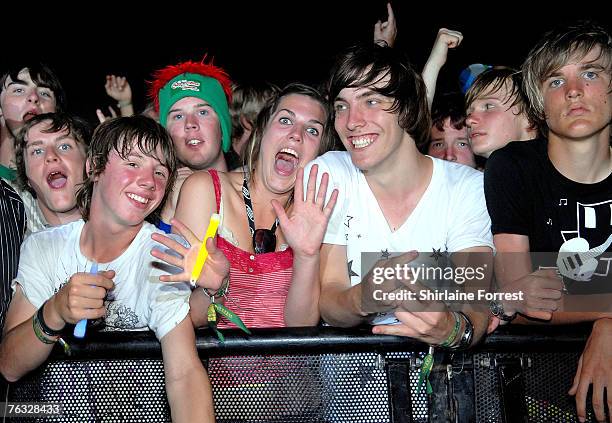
(46, 329)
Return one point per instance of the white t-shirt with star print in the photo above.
(450, 216)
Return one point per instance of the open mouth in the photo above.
(29, 115)
(286, 161)
(57, 180)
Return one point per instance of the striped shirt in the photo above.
(12, 229)
(35, 218)
(259, 283)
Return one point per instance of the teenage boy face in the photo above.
(577, 98)
(492, 123)
(54, 164)
(369, 132)
(130, 188)
(195, 131)
(22, 99)
(451, 144)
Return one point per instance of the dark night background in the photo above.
(275, 41)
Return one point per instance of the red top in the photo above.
(259, 283)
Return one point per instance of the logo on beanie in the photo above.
(185, 84)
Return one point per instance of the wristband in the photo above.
(43, 326)
(221, 292)
(124, 104)
(467, 335)
(452, 337)
(39, 332)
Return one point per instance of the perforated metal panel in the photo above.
(270, 388)
(295, 388)
(98, 390)
(303, 388)
(547, 376)
(420, 405)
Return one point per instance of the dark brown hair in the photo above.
(122, 135)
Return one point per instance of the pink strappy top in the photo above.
(259, 283)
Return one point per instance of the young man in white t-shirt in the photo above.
(392, 198)
(130, 169)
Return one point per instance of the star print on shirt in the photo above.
(348, 221)
(350, 270)
(436, 254)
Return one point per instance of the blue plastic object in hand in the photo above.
(81, 326)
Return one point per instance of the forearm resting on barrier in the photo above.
(187, 384)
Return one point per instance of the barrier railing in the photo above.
(318, 375)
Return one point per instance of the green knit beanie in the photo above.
(203, 87)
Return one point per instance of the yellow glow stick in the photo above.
(203, 253)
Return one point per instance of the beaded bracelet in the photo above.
(221, 292)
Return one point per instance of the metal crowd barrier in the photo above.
(518, 374)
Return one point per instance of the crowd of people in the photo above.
(107, 223)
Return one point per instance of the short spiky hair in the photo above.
(162, 76)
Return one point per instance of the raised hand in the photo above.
(82, 297)
(216, 268)
(386, 31)
(305, 227)
(102, 117)
(446, 39)
(118, 88)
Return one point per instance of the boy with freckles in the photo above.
(130, 169)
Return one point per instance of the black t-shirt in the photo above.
(12, 229)
(526, 195)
